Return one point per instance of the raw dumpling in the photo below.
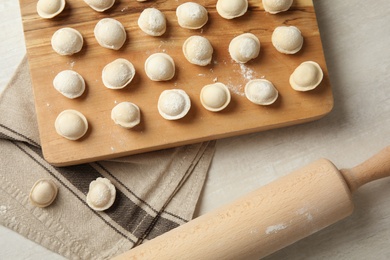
(110, 33)
(261, 92)
(307, 76)
(69, 83)
(101, 194)
(43, 193)
(152, 21)
(100, 5)
(276, 6)
(215, 97)
(198, 50)
(287, 39)
(67, 41)
(71, 124)
(50, 8)
(173, 104)
(244, 47)
(191, 15)
(230, 9)
(126, 114)
(160, 67)
(118, 74)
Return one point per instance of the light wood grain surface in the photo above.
(356, 46)
(106, 140)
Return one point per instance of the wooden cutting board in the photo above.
(105, 139)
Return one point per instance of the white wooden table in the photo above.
(356, 39)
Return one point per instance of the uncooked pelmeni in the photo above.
(307, 76)
(118, 74)
(43, 193)
(69, 83)
(67, 41)
(191, 15)
(160, 67)
(244, 47)
(50, 8)
(215, 97)
(198, 50)
(152, 21)
(261, 92)
(110, 33)
(101, 194)
(230, 9)
(287, 39)
(71, 124)
(100, 5)
(173, 104)
(126, 114)
(276, 6)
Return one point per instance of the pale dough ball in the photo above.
(307, 76)
(118, 74)
(287, 39)
(101, 194)
(230, 9)
(126, 114)
(191, 15)
(43, 193)
(215, 97)
(244, 47)
(160, 67)
(100, 5)
(67, 41)
(276, 6)
(173, 104)
(69, 83)
(198, 50)
(71, 124)
(110, 33)
(50, 8)
(152, 21)
(261, 92)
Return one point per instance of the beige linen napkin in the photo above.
(156, 191)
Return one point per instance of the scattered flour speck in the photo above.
(71, 63)
(236, 89)
(3, 209)
(304, 211)
(275, 228)
(246, 72)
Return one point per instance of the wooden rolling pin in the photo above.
(269, 218)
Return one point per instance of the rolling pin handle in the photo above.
(376, 167)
